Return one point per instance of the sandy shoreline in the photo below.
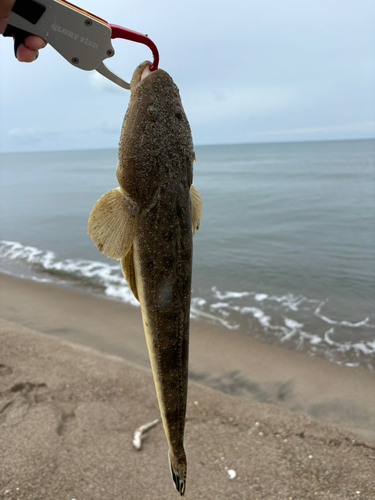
(221, 359)
(67, 416)
(68, 412)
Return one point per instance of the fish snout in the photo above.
(140, 74)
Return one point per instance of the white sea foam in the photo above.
(313, 339)
(367, 347)
(326, 337)
(95, 273)
(364, 322)
(14, 250)
(199, 314)
(280, 317)
(258, 314)
(260, 296)
(290, 301)
(218, 305)
(199, 301)
(363, 347)
(294, 328)
(225, 306)
(294, 325)
(41, 280)
(228, 295)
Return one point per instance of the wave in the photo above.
(364, 322)
(281, 319)
(285, 318)
(86, 272)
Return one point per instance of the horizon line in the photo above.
(197, 145)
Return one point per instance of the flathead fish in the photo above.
(148, 223)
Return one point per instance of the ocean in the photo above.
(285, 252)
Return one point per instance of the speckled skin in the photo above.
(155, 169)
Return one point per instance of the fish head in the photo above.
(177, 467)
(155, 140)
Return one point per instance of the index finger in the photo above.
(5, 9)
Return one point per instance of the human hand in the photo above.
(28, 51)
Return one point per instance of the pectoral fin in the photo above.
(127, 266)
(112, 223)
(195, 208)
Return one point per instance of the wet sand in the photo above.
(71, 400)
(219, 358)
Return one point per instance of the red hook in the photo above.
(134, 36)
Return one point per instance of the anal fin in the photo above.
(127, 267)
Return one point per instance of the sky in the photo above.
(248, 72)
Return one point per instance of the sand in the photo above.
(71, 398)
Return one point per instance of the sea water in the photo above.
(285, 252)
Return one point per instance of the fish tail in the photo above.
(178, 473)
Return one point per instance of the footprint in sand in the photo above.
(16, 401)
(67, 421)
(5, 370)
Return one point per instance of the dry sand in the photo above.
(68, 412)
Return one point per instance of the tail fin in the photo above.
(178, 473)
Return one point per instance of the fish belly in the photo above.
(163, 262)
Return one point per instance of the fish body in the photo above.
(148, 223)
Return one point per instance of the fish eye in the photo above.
(152, 113)
(178, 112)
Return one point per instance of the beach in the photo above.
(76, 383)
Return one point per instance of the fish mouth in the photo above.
(141, 72)
(145, 72)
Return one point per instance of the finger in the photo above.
(35, 42)
(5, 8)
(24, 54)
(3, 25)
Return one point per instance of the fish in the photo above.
(148, 223)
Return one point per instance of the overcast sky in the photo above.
(268, 71)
